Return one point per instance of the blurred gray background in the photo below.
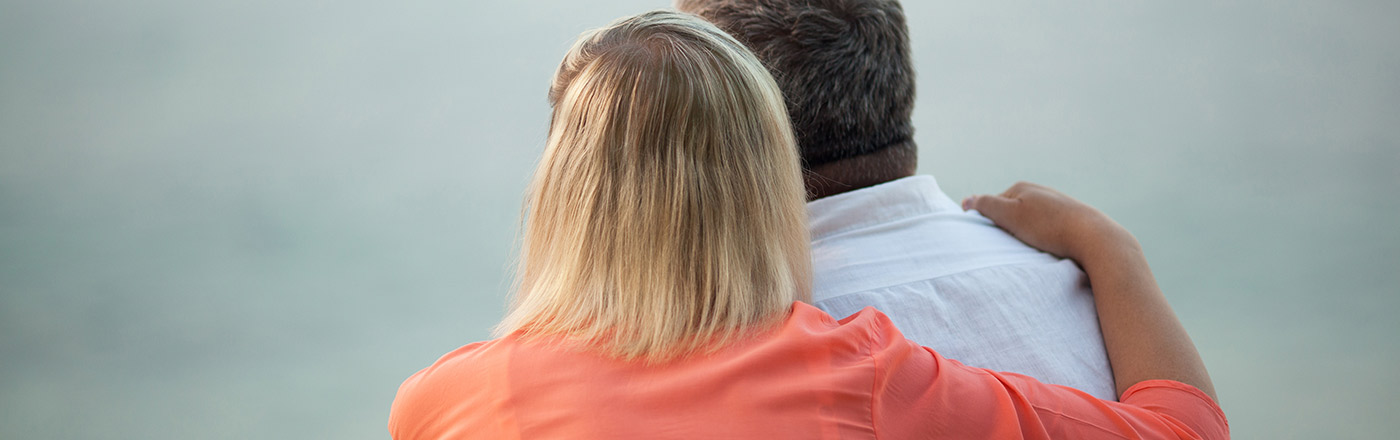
(254, 219)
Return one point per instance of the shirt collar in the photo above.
(887, 202)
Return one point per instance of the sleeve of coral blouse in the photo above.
(919, 394)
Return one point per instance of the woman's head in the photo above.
(667, 210)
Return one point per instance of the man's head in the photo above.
(845, 71)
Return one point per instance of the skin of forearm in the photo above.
(1142, 335)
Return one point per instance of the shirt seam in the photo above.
(1039, 408)
(1178, 386)
(909, 190)
(933, 279)
(905, 217)
(875, 382)
(871, 224)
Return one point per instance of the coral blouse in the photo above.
(812, 377)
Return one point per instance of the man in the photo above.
(883, 237)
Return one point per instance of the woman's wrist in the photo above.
(1103, 241)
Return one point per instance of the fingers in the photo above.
(1018, 188)
(994, 207)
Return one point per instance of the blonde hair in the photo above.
(667, 214)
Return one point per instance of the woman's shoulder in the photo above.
(869, 325)
(806, 329)
(806, 324)
(471, 360)
(468, 354)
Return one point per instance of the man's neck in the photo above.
(862, 171)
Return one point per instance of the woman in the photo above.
(665, 260)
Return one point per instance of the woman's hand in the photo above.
(1144, 339)
(1053, 222)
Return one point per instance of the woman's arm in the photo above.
(1142, 335)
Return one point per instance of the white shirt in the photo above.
(953, 281)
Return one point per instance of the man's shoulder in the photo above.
(934, 244)
(903, 232)
(912, 208)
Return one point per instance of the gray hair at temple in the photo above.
(843, 65)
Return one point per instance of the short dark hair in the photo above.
(843, 66)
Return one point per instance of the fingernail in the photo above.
(967, 202)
